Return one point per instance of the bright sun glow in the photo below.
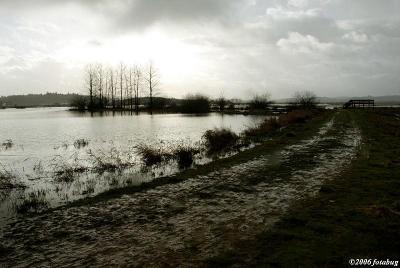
(174, 59)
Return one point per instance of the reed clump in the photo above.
(81, 143)
(219, 139)
(184, 155)
(151, 156)
(35, 202)
(7, 144)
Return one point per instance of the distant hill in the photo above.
(37, 100)
(379, 100)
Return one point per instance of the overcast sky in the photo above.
(238, 47)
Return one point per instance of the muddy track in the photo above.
(187, 222)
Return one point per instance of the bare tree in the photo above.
(112, 86)
(221, 102)
(305, 99)
(106, 90)
(122, 69)
(90, 76)
(260, 101)
(100, 81)
(129, 81)
(138, 81)
(152, 79)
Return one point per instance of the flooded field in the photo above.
(188, 222)
(59, 155)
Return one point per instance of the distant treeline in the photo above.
(37, 100)
(195, 103)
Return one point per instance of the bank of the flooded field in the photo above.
(356, 215)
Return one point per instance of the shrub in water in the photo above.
(184, 156)
(150, 156)
(218, 140)
(7, 144)
(80, 143)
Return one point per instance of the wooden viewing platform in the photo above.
(359, 104)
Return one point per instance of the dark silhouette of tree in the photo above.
(152, 79)
(138, 81)
(113, 87)
(90, 74)
(195, 104)
(260, 102)
(221, 102)
(122, 69)
(130, 84)
(100, 81)
(305, 99)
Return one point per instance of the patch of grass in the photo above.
(81, 143)
(263, 129)
(64, 172)
(112, 160)
(272, 124)
(297, 116)
(219, 140)
(8, 144)
(90, 187)
(184, 155)
(35, 202)
(8, 179)
(151, 156)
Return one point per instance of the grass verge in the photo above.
(355, 216)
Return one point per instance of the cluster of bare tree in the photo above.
(120, 87)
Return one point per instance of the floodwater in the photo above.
(35, 144)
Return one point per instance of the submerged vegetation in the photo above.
(184, 155)
(35, 202)
(7, 144)
(81, 143)
(151, 156)
(112, 160)
(8, 179)
(219, 140)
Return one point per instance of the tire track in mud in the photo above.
(184, 223)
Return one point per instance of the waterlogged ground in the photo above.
(188, 222)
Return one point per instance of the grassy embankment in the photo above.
(356, 215)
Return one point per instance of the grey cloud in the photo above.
(335, 46)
